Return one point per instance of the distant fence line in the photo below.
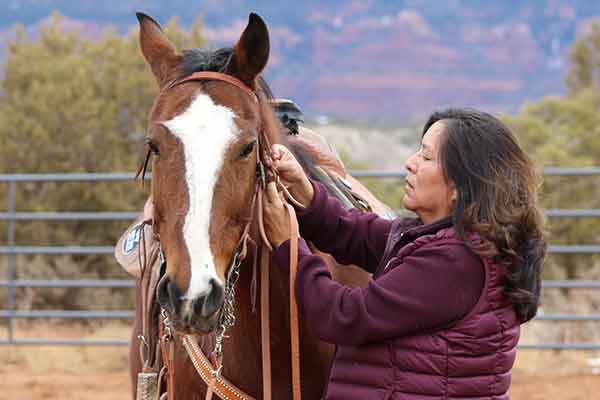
(11, 250)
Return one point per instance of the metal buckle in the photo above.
(168, 324)
(216, 373)
(143, 340)
(161, 256)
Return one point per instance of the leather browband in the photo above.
(213, 76)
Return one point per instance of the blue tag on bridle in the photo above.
(133, 239)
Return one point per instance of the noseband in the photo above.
(210, 370)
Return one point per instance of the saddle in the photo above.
(316, 156)
(136, 242)
(323, 163)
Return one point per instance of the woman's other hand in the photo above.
(275, 216)
(291, 174)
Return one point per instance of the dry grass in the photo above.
(67, 359)
(551, 363)
(66, 372)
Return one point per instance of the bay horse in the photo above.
(203, 138)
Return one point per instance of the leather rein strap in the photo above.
(210, 370)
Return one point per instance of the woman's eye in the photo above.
(247, 149)
(425, 156)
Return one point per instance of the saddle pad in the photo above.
(127, 250)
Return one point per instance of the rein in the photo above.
(209, 369)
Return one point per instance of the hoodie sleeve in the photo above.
(431, 288)
(350, 236)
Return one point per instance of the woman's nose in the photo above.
(409, 164)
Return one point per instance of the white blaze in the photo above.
(205, 129)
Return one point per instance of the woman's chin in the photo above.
(408, 203)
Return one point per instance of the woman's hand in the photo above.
(275, 216)
(291, 174)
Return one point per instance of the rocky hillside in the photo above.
(391, 60)
(370, 147)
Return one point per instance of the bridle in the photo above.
(210, 368)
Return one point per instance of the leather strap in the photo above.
(213, 76)
(149, 347)
(167, 346)
(294, 329)
(265, 328)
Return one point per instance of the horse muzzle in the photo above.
(195, 316)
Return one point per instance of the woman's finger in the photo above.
(272, 194)
(277, 151)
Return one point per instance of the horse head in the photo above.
(204, 138)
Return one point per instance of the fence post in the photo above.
(11, 271)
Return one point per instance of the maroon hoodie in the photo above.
(432, 323)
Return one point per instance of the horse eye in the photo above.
(248, 149)
(153, 147)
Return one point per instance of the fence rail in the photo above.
(59, 250)
(11, 216)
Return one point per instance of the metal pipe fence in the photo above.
(11, 216)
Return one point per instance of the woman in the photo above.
(440, 317)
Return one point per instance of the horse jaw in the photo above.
(205, 130)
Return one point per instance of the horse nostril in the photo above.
(168, 295)
(211, 302)
(162, 294)
(174, 296)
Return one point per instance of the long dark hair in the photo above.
(496, 185)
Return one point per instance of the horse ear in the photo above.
(251, 52)
(158, 50)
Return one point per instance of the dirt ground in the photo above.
(86, 373)
(115, 386)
